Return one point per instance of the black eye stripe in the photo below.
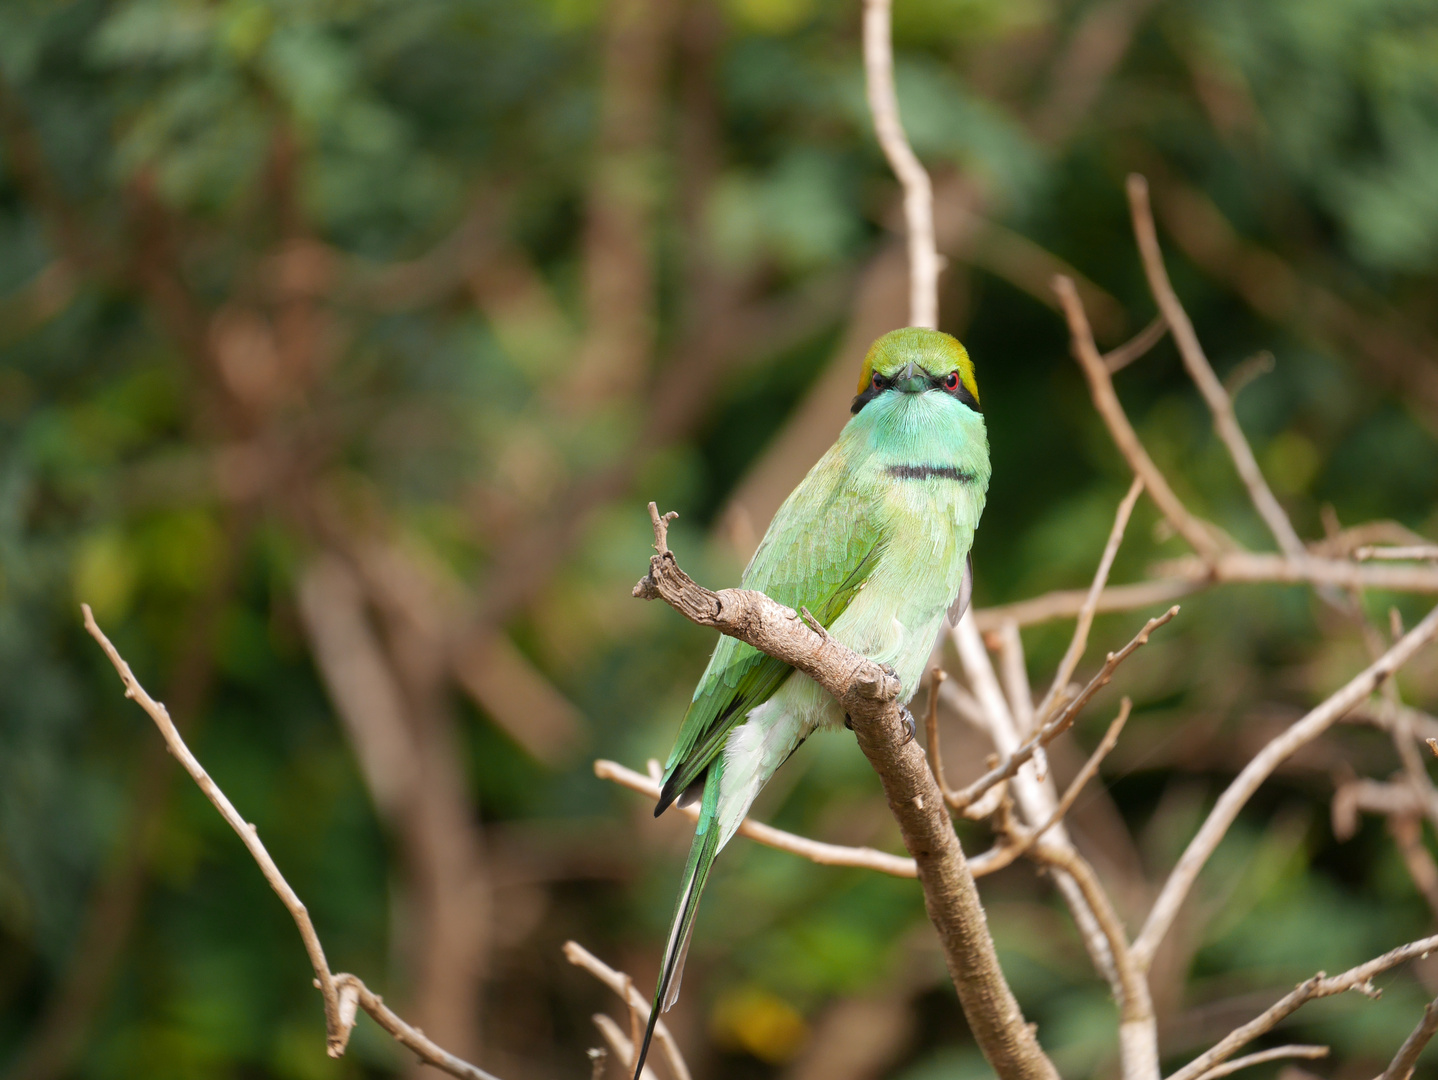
(879, 384)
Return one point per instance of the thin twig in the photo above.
(1067, 603)
(1118, 359)
(1135, 1005)
(814, 850)
(1125, 438)
(1177, 578)
(1089, 770)
(1278, 1053)
(1013, 670)
(341, 992)
(623, 985)
(1079, 642)
(918, 191)
(1032, 795)
(937, 677)
(1060, 723)
(620, 1043)
(1319, 986)
(1008, 850)
(1407, 833)
(1246, 371)
(1403, 1063)
(1225, 811)
(1225, 421)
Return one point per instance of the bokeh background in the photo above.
(342, 343)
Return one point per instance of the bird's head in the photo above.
(914, 360)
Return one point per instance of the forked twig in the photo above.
(1060, 723)
(1105, 399)
(1319, 986)
(1225, 421)
(623, 985)
(1221, 817)
(343, 993)
(1079, 642)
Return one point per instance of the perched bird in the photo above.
(875, 543)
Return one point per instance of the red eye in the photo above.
(878, 381)
(951, 381)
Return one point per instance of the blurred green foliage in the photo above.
(162, 158)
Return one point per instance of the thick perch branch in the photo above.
(868, 694)
(343, 994)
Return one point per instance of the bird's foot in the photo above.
(909, 724)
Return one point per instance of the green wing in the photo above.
(820, 549)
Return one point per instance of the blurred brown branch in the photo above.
(918, 190)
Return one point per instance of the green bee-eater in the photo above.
(875, 543)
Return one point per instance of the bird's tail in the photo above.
(696, 874)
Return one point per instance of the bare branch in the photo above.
(937, 677)
(1006, 852)
(1393, 800)
(1260, 363)
(1414, 553)
(1177, 578)
(1118, 359)
(1089, 770)
(623, 985)
(1060, 723)
(868, 694)
(1319, 986)
(406, 1034)
(1278, 1053)
(1031, 794)
(1403, 1063)
(1407, 833)
(1066, 603)
(1138, 1034)
(341, 992)
(814, 850)
(918, 191)
(1199, 369)
(621, 1044)
(1106, 401)
(1181, 880)
(1079, 642)
(1013, 670)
